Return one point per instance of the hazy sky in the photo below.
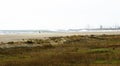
(58, 14)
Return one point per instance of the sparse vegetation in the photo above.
(94, 50)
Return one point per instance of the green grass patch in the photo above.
(100, 50)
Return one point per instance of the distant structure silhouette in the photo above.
(101, 27)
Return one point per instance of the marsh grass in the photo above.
(100, 50)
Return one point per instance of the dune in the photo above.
(18, 37)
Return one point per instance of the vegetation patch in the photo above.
(100, 50)
(77, 50)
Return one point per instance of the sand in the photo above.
(19, 37)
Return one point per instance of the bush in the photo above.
(29, 42)
(10, 42)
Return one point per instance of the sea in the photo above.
(48, 31)
(23, 31)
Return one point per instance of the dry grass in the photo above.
(93, 50)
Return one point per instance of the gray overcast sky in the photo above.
(58, 14)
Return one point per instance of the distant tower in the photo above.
(88, 27)
(101, 27)
(116, 27)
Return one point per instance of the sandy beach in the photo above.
(18, 37)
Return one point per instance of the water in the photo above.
(49, 31)
(23, 31)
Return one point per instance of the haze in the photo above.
(58, 14)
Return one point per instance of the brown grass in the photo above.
(93, 50)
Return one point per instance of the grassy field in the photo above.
(77, 50)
